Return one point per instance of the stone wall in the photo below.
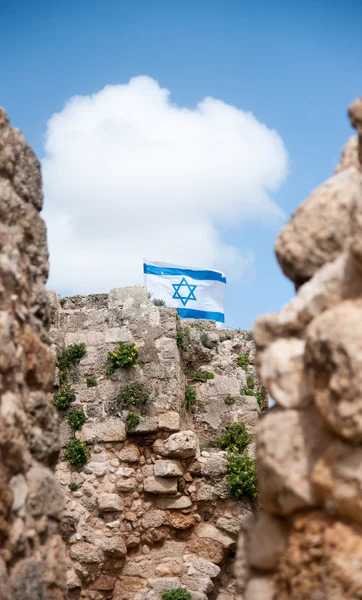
(32, 565)
(308, 542)
(151, 509)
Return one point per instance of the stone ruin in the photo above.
(307, 544)
(32, 564)
(151, 510)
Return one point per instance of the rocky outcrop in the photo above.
(32, 564)
(308, 543)
(151, 509)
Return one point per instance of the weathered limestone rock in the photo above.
(32, 561)
(337, 477)
(289, 443)
(204, 530)
(318, 560)
(168, 468)
(181, 445)
(158, 485)
(281, 367)
(320, 229)
(309, 448)
(110, 503)
(129, 454)
(333, 363)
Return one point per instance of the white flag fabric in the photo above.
(195, 293)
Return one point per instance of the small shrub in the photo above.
(132, 420)
(183, 339)
(62, 301)
(158, 302)
(177, 594)
(64, 397)
(229, 399)
(241, 476)
(243, 361)
(76, 419)
(200, 375)
(190, 396)
(76, 453)
(254, 393)
(234, 438)
(91, 382)
(207, 343)
(70, 357)
(124, 356)
(73, 486)
(250, 382)
(135, 395)
(249, 392)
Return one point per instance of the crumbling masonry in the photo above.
(151, 509)
(308, 542)
(32, 565)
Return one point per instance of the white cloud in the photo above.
(127, 174)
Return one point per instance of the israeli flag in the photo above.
(195, 293)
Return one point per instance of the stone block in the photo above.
(84, 552)
(110, 503)
(181, 445)
(164, 584)
(126, 484)
(267, 543)
(129, 454)
(193, 564)
(158, 485)
(109, 430)
(170, 421)
(153, 519)
(179, 521)
(174, 503)
(168, 468)
(113, 546)
(147, 425)
(206, 530)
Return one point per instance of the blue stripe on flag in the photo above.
(152, 270)
(191, 313)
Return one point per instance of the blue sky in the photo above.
(295, 66)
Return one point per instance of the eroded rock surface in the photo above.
(309, 446)
(32, 562)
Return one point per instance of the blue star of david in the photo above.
(187, 288)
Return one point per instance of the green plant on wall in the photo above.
(134, 395)
(91, 382)
(76, 453)
(229, 399)
(241, 475)
(243, 361)
(158, 302)
(183, 339)
(76, 418)
(200, 375)
(190, 396)
(234, 438)
(69, 358)
(73, 486)
(250, 382)
(132, 420)
(64, 397)
(177, 594)
(124, 356)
